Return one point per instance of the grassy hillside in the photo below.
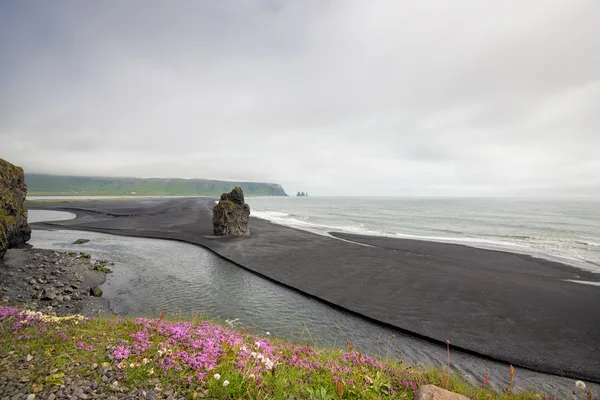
(54, 185)
(175, 358)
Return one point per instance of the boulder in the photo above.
(432, 392)
(49, 293)
(14, 229)
(231, 215)
(96, 291)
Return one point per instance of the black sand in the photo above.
(509, 307)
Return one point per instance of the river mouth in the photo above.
(153, 276)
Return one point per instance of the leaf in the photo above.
(55, 379)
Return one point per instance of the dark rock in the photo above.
(81, 241)
(231, 215)
(14, 229)
(236, 196)
(49, 293)
(96, 291)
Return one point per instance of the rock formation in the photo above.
(231, 215)
(432, 392)
(14, 229)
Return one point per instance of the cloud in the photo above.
(337, 97)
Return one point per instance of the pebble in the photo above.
(52, 396)
(31, 397)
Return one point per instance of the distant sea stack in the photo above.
(302, 194)
(14, 229)
(231, 215)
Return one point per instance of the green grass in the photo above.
(185, 355)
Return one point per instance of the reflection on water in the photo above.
(153, 276)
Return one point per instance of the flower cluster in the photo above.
(53, 319)
(203, 354)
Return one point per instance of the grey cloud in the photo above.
(337, 97)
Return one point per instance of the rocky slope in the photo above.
(14, 229)
(49, 280)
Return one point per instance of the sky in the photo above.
(339, 97)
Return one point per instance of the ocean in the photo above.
(561, 230)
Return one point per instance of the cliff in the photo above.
(14, 229)
(55, 185)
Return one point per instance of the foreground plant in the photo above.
(202, 359)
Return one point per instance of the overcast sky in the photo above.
(398, 97)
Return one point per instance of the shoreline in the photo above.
(51, 281)
(472, 242)
(409, 291)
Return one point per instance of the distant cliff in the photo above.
(55, 185)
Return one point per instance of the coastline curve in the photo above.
(285, 251)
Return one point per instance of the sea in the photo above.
(561, 230)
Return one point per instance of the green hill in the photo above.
(55, 185)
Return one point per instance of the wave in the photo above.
(269, 214)
(553, 248)
(292, 221)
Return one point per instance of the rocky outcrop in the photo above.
(231, 215)
(432, 392)
(14, 229)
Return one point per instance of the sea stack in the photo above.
(231, 215)
(14, 229)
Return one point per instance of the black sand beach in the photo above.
(509, 307)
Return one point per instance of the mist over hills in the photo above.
(56, 185)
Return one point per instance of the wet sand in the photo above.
(509, 307)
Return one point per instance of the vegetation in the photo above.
(53, 185)
(12, 210)
(226, 203)
(100, 265)
(197, 358)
